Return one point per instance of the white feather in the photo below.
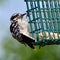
(23, 26)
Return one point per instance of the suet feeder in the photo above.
(44, 21)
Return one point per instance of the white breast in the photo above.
(23, 27)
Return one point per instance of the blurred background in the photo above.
(10, 49)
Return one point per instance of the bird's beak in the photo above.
(23, 14)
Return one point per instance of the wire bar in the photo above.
(44, 21)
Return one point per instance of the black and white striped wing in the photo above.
(14, 29)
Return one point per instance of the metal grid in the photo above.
(44, 16)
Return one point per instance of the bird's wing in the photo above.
(28, 40)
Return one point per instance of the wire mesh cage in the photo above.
(44, 20)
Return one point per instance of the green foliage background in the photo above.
(16, 51)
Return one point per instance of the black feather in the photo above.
(29, 41)
(14, 16)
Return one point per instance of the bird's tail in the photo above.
(29, 41)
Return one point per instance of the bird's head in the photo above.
(17, 16)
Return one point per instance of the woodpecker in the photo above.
(19, 30)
